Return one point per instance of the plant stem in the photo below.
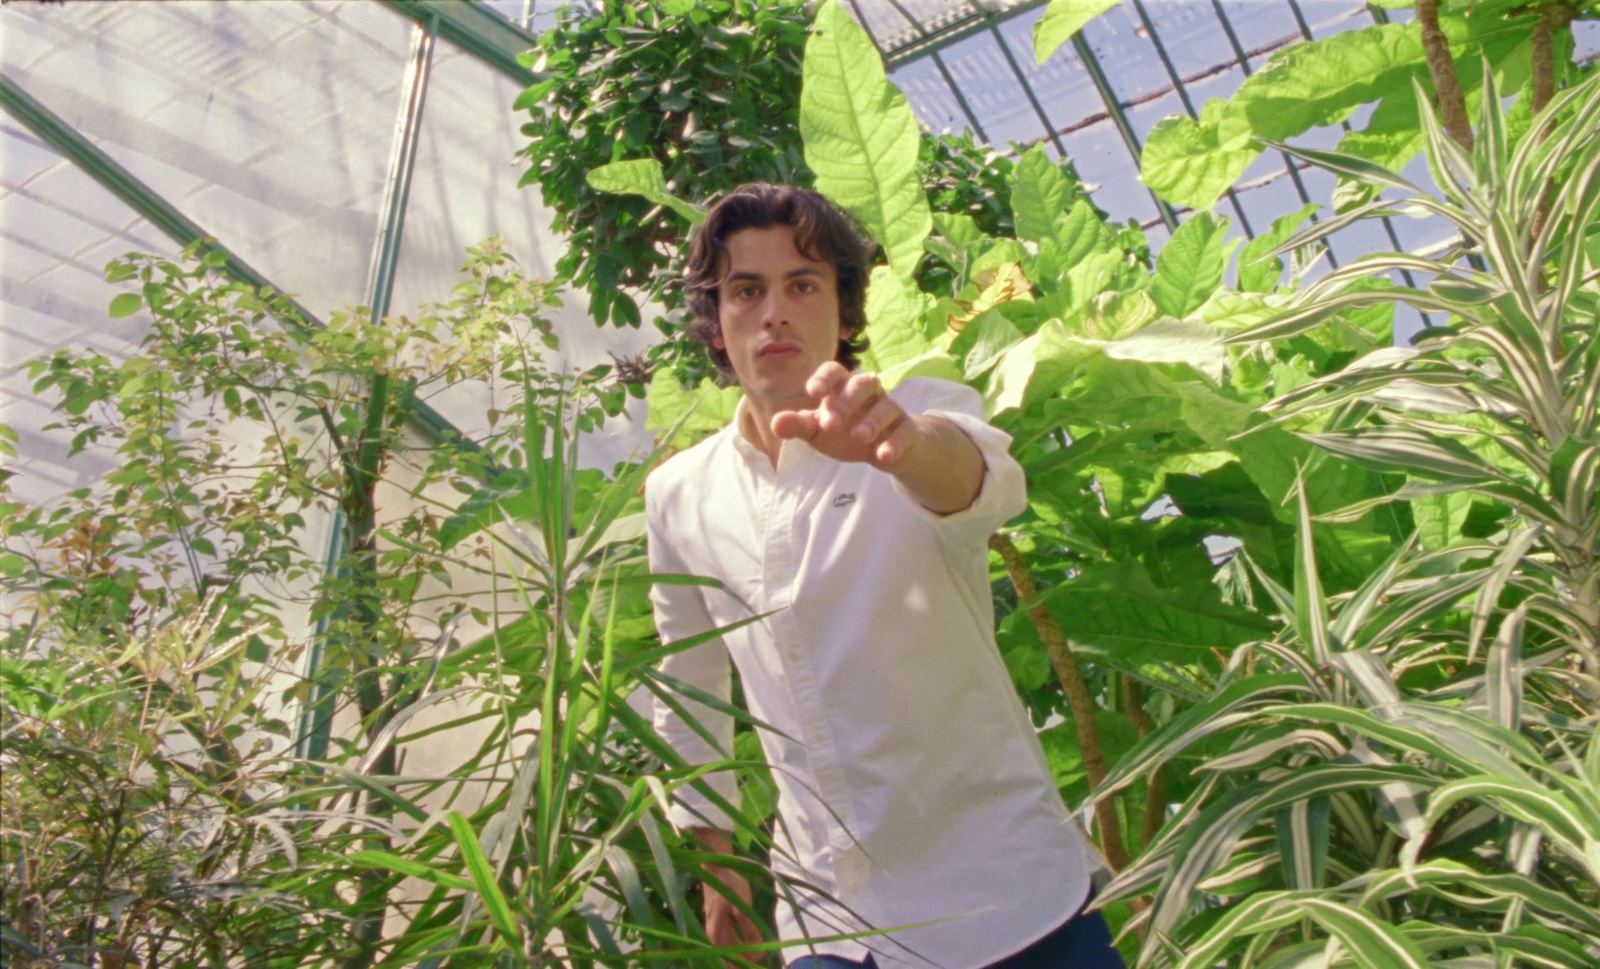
(360, 505)
(1155, 796)
(1077, 692)
(1552, 18)
(1442, 69)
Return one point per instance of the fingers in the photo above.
(879, 419)
(727, 925)
(827, 381)
(802, 425)
(899, 441)
(850, 403)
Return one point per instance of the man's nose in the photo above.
(774, 311)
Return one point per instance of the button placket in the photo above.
(797, 472)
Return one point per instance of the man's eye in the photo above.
(805, 286)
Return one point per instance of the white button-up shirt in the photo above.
(911, 785)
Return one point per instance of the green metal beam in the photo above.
(98, 165)
(1027, 89)
(316, 714)
(477, 30)
(1188, 104)
(956, 31)
(402, 162)
(73, 146)
(938, 62)
(1120, 117)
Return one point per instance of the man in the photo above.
(911, 787)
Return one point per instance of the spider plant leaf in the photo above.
(1483, 888)
(1232, 703)
(1503, 679)
(1419, 453)
(1371, 942)
(1347, 627)
(1310, 604)
(1490, 152)
(1447, 163)
(1349, 166)
(1210, 840)
(484, 882)
(1505, 565)
(1572, 825)
(1261, 913)
(1302, 832)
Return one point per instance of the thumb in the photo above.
(796, 425)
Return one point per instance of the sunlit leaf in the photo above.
(643, 176)
(861, 137)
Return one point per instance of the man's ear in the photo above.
(717, 340)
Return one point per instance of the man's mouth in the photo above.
(780, 350)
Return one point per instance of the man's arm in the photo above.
(726, 923)
(854, 420)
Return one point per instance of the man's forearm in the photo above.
(945, 470)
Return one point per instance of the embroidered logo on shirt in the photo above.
(844, 498)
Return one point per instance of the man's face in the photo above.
(779, 316)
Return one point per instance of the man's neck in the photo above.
(755, 423)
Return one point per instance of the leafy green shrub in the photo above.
(709, 90)
(151, 646)
(148, 806)
(1412, 767)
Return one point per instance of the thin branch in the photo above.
(1442, 69)
(1155, 799)
(1077, 693)
(1553, 18)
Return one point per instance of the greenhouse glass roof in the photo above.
(332, 147)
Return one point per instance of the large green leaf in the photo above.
(1040, 192)
(1061, 20)
(1303, 86)
(1116, 614)
(1190, 266)
(712, 407)
(1035, 367)
(1184, 342)
(643, 176)
(1192, 163)
(861, 137)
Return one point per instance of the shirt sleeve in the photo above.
(1003, 493)
(680, 612)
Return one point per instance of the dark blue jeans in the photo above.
(1082, 942)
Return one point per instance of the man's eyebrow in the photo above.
(744, 274)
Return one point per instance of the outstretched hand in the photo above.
(854, 420)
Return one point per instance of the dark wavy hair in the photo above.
(821, 232)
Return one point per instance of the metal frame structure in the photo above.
(979, 16)
(316, 714)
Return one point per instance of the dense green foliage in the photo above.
(710, 91)
(1133, 396)
(1193, 161)
(157, 622)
